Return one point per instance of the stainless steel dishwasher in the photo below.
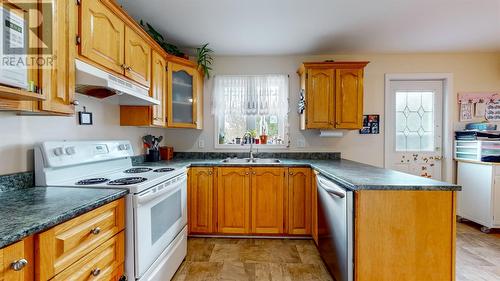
(335, 228)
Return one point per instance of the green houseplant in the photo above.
(169, 48)
(205, 59)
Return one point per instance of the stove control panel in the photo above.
(65, 153)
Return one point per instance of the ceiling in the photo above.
(271, 27)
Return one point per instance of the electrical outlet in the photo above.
(201, 143)
(301, 142)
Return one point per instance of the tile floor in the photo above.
(478, 254)
(210, 259)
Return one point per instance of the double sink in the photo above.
(251, 161)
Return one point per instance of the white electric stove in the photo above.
(156, 213)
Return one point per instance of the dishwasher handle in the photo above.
(330, 187)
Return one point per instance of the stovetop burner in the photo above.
(137, 170)
(164, 170)
(127, 181)
(91, 181)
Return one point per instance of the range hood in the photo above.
(95, 82)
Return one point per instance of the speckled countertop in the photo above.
(349, 174)
(32, 210)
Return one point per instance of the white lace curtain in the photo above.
(251, 95)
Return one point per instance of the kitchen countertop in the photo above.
(349, 174)
(32, 210)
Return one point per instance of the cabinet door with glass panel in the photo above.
(182, 96)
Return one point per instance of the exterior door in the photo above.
(414, 127)
(137, 58)
(320, 95)
(159, 89)
(102, 35)
(233, 200)
(58, 81)
(299, 201)
(267, 200)
(182, 100)
(349, 98)
(201, 198)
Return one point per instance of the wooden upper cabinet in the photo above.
(233, 200)
(159, 89)
(299, 201)
(349, 98)
(267, 200)
(22, 255)
(183, 96)
(58, 82)
(333, 94)
(137, 58)
(320, 98)
(201, 199)
(102, 35)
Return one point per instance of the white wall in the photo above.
(18, 134)
(472, 72)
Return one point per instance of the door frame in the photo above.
(449, 109)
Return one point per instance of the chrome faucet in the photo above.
(248, 135)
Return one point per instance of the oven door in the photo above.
(160, 213)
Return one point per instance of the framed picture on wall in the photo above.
(371, 125)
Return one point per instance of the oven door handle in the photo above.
(148, 196)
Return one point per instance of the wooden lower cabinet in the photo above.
(88, 247)
(267, 203)
(404, 235)
(106, 262)
(233, 200)
(19, 254)
(201, 200)
(66, 243)
(299, 201)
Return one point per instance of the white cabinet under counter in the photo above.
(479, 200)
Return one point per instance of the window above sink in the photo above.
(257, 104)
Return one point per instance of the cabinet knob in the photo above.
(210, 173)
(128, 68)
(291, 174)
(18, 265)
(75, 102)
(246, 173)
(254, 173)
(96, 230)
(95, 272)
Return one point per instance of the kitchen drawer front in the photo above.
(18, 255)
(63, 245)
(103, 263)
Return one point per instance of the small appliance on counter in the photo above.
(156, 208)
(166, 152)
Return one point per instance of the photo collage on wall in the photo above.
(371, 124)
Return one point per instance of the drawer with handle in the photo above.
(103, 263)
(16, 261)
(64, 244)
